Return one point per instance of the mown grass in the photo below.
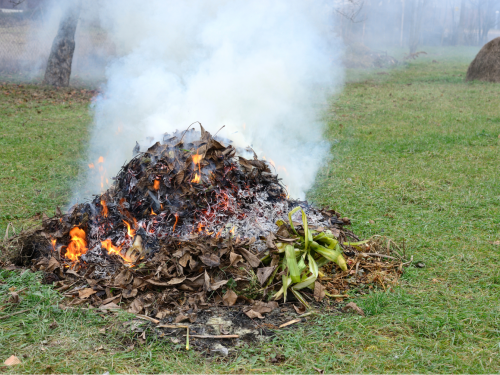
(415, 157)
(43, 134)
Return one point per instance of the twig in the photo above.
(378, 255)
(216, 336)
(172, 326)
(16, 313)
(185, 131)
(216, 134)
(144, 317)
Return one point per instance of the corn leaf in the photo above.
(291, 261)
(330, 254)
(301, 299)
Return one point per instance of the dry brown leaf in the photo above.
(253, 314)
(53, 325)
(14, 297)
(129, 293)
(234, 259)
(71, 272)
(176, 280)
(158, 283)
(270, 240)
(251, 258)
(12, 360)
(319, 291)
(300, 310)
(86, 293)
(192, 317)
(163, 313)
(217, 285)
(110, 299)
(353, 308)
(136, 306)
(210, 260)
(229, 298)
(264, 273)
(53, 264)
(124, 278)
(109, 306)
(180, 318)
(183, 261)
(264, 307)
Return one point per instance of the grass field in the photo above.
(415, 157)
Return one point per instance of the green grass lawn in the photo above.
(415, 156)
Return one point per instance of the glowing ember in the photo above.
(130, 231)
(104, 208)
(156, 184)
(196, 179)
(78, 245)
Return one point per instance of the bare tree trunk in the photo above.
(417, 13)
(58, 71)
(461, 24)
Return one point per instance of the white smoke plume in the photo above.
(264, 69)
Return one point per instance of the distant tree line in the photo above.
(411, 23)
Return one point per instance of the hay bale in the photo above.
(486, 65)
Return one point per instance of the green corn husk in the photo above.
(356, 245)
(330, 242)
(330, 254)
(291, 261)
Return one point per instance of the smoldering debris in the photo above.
(190, 225)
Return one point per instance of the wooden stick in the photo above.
(144, 317)
(171, 326)
(378, 255)
(289, 323)
(15, 313)
(216, 336)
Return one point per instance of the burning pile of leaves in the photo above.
(191, 223)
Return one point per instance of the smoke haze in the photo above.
(263, 69)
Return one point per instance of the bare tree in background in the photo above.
(417, 8)
(58, 71)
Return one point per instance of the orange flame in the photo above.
(130, 231)
(196, 161)
(196, 179)
(104, 208)
(232, 230)
(53, 244)
(78, 246)
(196, 158)
(156, 184)
(110, 248)
(100, 160)
(152, 212)
(199, 227)
(272, 163)
(91, 166)
(176, 220)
